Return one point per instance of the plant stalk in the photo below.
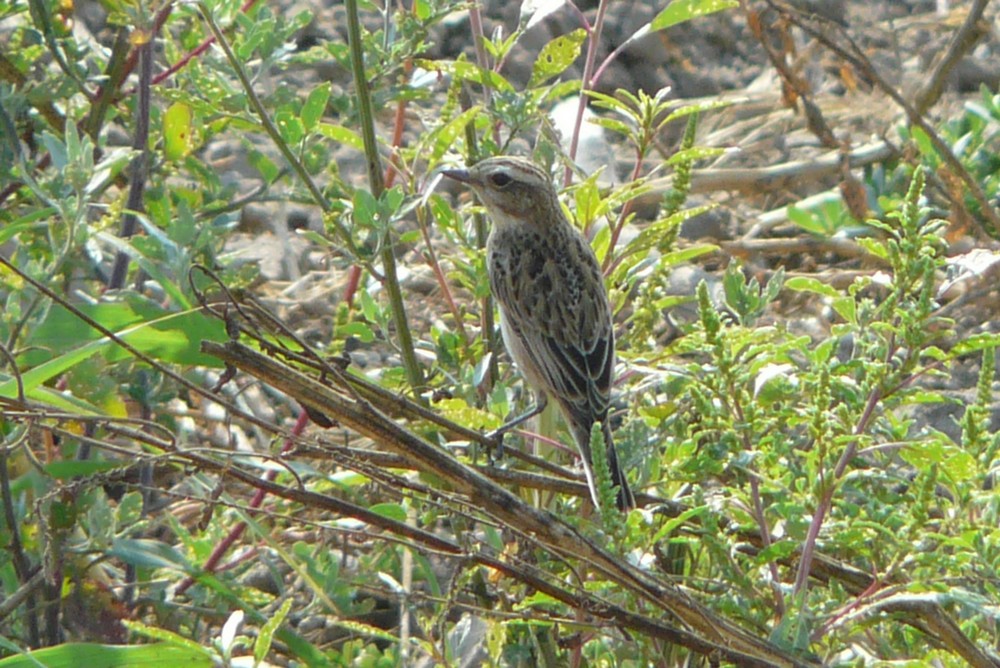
(375, 180)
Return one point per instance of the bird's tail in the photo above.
(626, 500)
(581, 434)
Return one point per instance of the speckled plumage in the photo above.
(554, 312)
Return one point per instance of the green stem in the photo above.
(482, 234)
(390, 279)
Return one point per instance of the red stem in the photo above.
(212, 563)
(197, 51)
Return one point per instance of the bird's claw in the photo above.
(495, 439)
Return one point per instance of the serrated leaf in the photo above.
(654, 232)
(457, 410)
(975, 343)
(776, 551)
(556, 56)
(806, 284)
(161, 634)
(681, 255)
(694, 154)
(874, 246)
(959, 465)
(129, 509)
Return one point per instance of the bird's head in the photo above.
(513, 190)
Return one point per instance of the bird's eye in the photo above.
(501, 179)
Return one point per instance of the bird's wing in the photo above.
(555, 302)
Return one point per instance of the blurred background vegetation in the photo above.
(249, 352)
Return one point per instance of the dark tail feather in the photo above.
(626, 500)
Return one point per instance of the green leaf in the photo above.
(694, 154)
(556, 56)
(654, 233)
(538, 599)
(141, 249)
(178, 131)
(680, 11)
(613, 125)
(339, 133)
(975, 343)
(681, 255)
(422, 9)
(71, 468)
(874, 246)
(129, 509)
(457, 410)
(463, 70)
(147, 553)
(357, 329)
(165, 635)
(73, 655)
(806, 284)
(173, 337)
(444, 137)
(929, 454)
(698, 108)
(264, 165)
(808, 221)
(35, 219)
(392, 511)
(262, 645)
(312, 110)
(673, 523)
(535, 11)
(289, 126)
(925, 146)
(777, 551)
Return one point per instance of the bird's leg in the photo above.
(541, 401)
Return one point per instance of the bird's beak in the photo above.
(460, 175)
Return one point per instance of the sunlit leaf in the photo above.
(178, 131)
(556, 56)
(312, 110)
(680, 11)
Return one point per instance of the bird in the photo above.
(555, 318)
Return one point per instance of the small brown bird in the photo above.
(554, 312)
